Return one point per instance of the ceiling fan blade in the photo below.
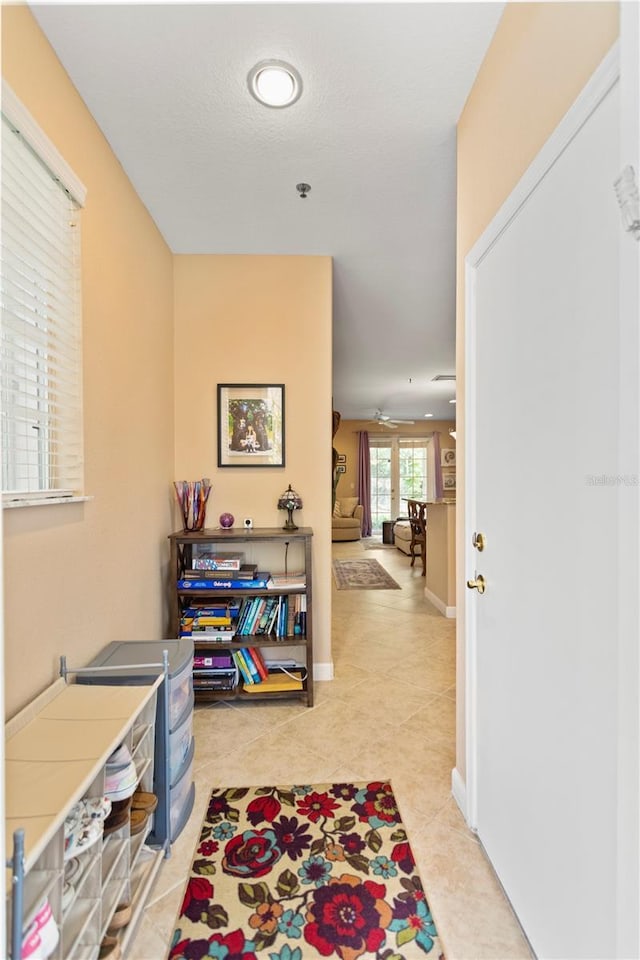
(401, 421)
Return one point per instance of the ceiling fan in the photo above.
(388, 422)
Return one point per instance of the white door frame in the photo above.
(628, 846)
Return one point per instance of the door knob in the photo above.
(479, 542)
(478, 584)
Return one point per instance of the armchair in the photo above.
(346, 522)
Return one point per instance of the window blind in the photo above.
(40, 343)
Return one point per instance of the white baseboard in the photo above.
(449, 612)
(459, 791)
(323, 671)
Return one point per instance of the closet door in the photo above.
(543, 639)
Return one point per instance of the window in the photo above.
(412, 469)
(40, 343)
(380, 466)
(401, 470)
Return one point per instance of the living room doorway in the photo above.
(400, 471)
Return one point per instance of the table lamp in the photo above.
(289, 501)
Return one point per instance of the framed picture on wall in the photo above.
(449, 481)
(342, 458)
(448, 457)
(251, 425)
(341, 468)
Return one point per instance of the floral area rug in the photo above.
(298, 872)
(362, 575)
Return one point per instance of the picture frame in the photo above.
(342, 458)
(449, 481)
(341, 468)
(251, 425)
(448, 457)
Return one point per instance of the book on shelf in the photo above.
(280, 581)
(251, 666)
(219, 661)
(263, 625)
(243, 669)
(283, 616)
(227, 627)
(277, 682)
(273, 619)
(212, 636)
(217, 681)
(222, 609)
(217, 561)
(258, 607)
(201, 623)
(259, 662)
(259, 582)
(246, 572)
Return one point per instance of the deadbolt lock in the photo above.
(479, 542)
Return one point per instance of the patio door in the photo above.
(400, 470)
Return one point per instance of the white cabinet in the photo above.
(56, 751)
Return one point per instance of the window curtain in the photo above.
(438, 466)
(364, 481)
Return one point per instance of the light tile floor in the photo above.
(376, 719)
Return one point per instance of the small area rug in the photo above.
(362, 575)
(295, 872)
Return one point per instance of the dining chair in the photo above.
(418, 520)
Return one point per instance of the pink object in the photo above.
(32, 944)
(47, 928)
(226, 520)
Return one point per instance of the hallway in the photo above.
(389, 713)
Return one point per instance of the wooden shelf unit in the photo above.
(241, 540)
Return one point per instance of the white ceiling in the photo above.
(373, 133)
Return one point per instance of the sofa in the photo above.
(346, 522)
(402, 536)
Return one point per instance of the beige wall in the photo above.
(441, 552)
(541, 57)
(260, 319)
(79, 576)
(346, 441)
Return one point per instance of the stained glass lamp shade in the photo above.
(290, 501)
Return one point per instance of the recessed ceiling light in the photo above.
(275, 83)
(452, 401)
(428, 414)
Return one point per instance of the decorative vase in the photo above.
(226, 520)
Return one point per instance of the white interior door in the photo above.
(543, 409)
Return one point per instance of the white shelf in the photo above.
(56, 751)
